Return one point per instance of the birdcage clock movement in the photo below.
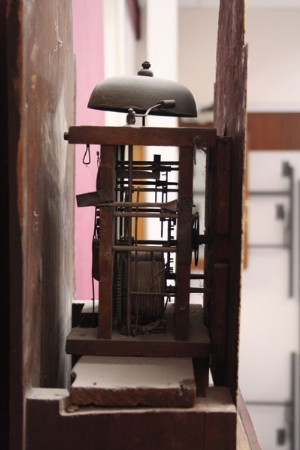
(155, 308)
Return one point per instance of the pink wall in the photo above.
(88, 48)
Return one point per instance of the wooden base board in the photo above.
(133, 381)
(54, 423)
(84, 341)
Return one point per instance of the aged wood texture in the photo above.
(229, 118)
(4, 227)
(41, 104)
(133, 381)
(201, 373)
(273, 131)
(83, 341)
(220, 307)
(221, 173)
(105, 180)
(218, 253)
(184, 239)
(181, 137)
(61, 425)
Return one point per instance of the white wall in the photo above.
(273, 38)
(119, 39)
(119, 48)
(269, 315)
(197, 43)
(274, 59)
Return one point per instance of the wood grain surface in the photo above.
(133, 381)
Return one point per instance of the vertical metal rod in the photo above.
(291, 232)
(287, 171)
(128, 306)
(136, 300)
(293, 403)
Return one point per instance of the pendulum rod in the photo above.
(128, 309)
(136, 300)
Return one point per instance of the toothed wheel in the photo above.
(120, 292)
(147, 275)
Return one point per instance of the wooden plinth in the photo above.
(133, 381)
(54, 423)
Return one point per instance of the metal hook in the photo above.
(87, 156)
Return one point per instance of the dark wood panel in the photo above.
(84, 341)
(230, 120)
(273, 131)
(62, 425)
(218, 254)
(221, 173)
(220, 309)
(222, 248)
(16, 425)
(97, 347)
(184, 239)
(201, 373)
(105, 180)
(40, 78)
(219, 322)
(4, 232)
(180, 137)
(209, 425)
(217, 421)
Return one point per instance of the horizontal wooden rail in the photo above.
(180, 137)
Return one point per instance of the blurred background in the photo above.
(179, 38)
